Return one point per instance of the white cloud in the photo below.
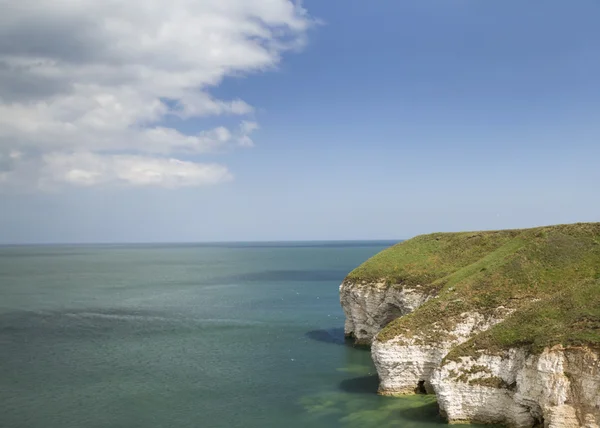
(246, 128)
(86, 169)
(86, 81)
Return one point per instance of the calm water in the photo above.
(186, 336)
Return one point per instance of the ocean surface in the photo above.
(187, 336)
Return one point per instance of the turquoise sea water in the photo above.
(229, 335)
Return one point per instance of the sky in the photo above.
(265, 120)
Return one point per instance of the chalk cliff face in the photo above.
(405, 364)
(560, 388)
(503, 326)
(370, 306)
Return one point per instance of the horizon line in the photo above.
(282, 241)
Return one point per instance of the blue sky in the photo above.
(383, 120)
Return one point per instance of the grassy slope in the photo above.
(570, 317)
(483, 270)
(427, 259)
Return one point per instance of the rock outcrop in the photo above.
(405, 364)
(559, 388)
(370, 306)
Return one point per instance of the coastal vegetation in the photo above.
(570, 318)
(546, 276)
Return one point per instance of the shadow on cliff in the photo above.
(329, 335)
(360, 385)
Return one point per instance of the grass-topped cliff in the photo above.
(570, 317)
(427, 260)
(481, 271)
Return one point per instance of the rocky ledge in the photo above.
(370, 306)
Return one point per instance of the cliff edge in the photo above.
(500, 325)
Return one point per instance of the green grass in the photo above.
(481, 271)
(426, 259)
(570, 317)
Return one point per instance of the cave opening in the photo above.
(390, 313)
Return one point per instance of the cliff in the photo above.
(459, 315)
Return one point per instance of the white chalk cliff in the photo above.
(559, 388)
(503, 326)
(371, 306)
(405, 365)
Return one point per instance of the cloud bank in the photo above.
(89, 90)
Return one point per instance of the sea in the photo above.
(188, 336)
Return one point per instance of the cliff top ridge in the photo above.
(549, 276)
